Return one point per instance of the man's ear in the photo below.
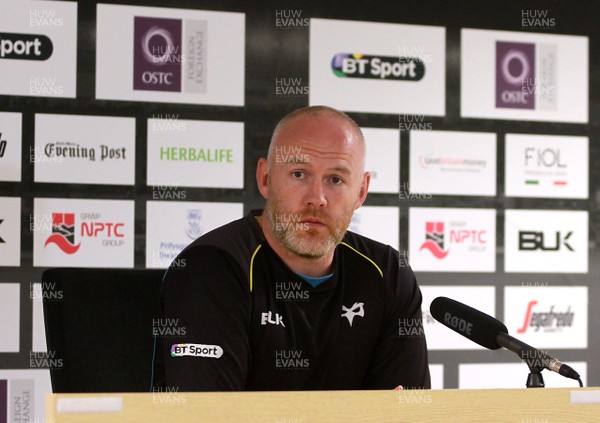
(262, 177)
(364, 189)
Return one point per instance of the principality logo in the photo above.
(63, 232)
(434, 239)
(352, 65)
(196, 350)
(350, 313)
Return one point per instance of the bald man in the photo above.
(286, 298)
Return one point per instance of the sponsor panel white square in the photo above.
(83, 233)
(436, 372)
(172, 225)
(10, 146)
(26, 390)
(453, 163)
(10, 304)
(546, 241)
(10, 231)
(547, 166)
(195, 154)
(513, 376)
(380, 223)
(452, 239)
(440, 337)
(170, 55)
(524, 76)
(371, 67)
(38, 50)
(548, 316)
(38, 333)
(383, 159)
(84, 149)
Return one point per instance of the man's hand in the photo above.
(399, 388)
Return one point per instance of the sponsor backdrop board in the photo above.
(38, 48)
(9, 317)
(439, 337)
(546, 241)
(524, 76)
(10, 146)
(513, 376)
(24, 390)
(170, 55)
(452, 239)
(195, 154)
(453, 163)
(98, 149)
(379, 223)
(378, 67)
(82, 233)
(548, 316)
(547, 166)
(10, 233)
(172, 225)
(383, 159)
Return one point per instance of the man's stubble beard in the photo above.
(304, 242)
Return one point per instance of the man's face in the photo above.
(315, 182)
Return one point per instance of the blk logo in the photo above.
(2, 146)
(63, 232)
(351, 312)
(1, 240)
(271, 318)
(533, 240)
(434, 239)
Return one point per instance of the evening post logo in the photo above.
(159, 62)
(519, 85)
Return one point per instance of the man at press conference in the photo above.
(286, 298)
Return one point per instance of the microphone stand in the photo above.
(535, 379)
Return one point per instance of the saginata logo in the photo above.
(352, 65)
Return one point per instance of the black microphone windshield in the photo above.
(479, 327)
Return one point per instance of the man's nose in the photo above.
(316, 194)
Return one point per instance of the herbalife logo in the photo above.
(350, 313)
(549, 321)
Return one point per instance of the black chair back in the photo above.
(101, 327)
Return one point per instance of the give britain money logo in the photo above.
(63, 232)
(434, 239)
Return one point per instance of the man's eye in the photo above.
(297, 174)
(336, 180)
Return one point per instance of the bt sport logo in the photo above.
(352, 65)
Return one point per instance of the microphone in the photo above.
(491, 333)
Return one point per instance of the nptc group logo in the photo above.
(157, 54)
(515, 71)
(434, 239)
(63, 232)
